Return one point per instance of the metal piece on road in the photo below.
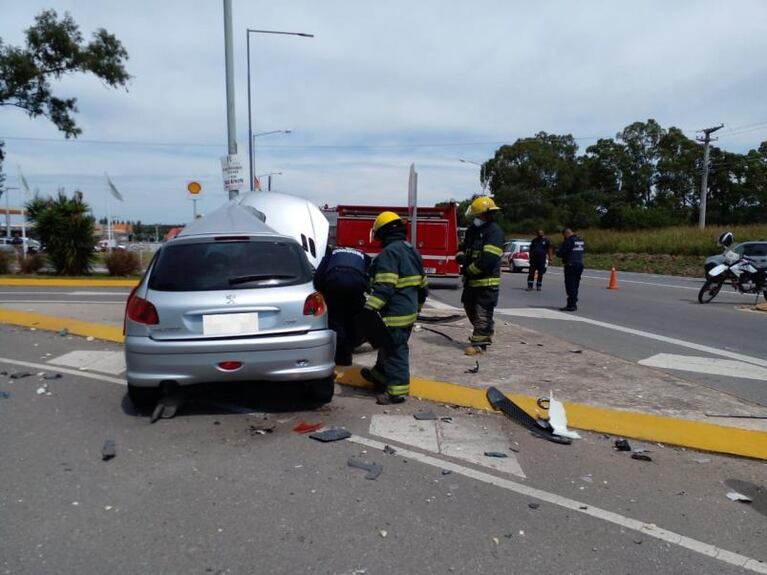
(518, 415)
(706, 365)
(373, 469)
(425, 416)
(670, 537)
(108, 450)
(640, 457)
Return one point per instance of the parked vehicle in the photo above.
(229, 299)
(737, 269)
(756, 250)
(516, 255)
(436, 234)
(33, 246)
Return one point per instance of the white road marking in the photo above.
(112, 362)
(465, 438)
(621, 280)
(649, 530)
(708, 365)
(47, 368)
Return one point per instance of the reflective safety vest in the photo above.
(480, 254)
(398, 284)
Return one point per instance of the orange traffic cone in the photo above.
(613, 283)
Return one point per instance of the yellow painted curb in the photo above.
(64, 282)
(657, 428)
(53, 323)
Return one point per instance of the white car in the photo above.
(516, 255)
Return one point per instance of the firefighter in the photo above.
(480, 258)
(398, 290)
(342, 279)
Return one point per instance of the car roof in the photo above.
(229, 219)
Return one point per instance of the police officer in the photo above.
(540, 250)
(342, 279)
(480, 258)
(571, 252)
(398, 285)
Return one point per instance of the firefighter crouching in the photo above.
(480, 258)
(398, 290)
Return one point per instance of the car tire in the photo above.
(143, 397)
(513, 269)
(322, 390)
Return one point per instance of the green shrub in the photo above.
(5, 262)
(122, 263)
(31, 263)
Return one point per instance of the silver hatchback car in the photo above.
(228, 306)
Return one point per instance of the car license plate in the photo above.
(429, 270)
(230, 324)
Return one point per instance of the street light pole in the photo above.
(229, 64)
(252, 151)
(248, 32)
(481, 173)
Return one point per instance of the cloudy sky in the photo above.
(381, 85)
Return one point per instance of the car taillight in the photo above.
(315, 305)
(141, 310)
(520, 256)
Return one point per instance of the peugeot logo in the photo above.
(230, 299)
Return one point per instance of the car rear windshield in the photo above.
(758, 250)
(228, 265)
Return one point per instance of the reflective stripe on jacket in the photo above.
(482, 249)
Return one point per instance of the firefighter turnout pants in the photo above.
(392, 367)
(479, 304)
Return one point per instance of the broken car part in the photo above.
(373, 469)
(333, 434)
(500, 402)
(108, 450)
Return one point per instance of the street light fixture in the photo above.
(252, 150)
(269, 175)
(250, 31)
(481, 174)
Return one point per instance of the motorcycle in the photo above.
(738, 270)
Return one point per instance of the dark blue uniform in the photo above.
(342, 279)
(539, 252)
(571, 252)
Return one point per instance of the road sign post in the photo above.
(231, 169)
(194, 189)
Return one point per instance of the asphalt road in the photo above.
(205, 492)
(661, 305)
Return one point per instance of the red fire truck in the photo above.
(436, 234)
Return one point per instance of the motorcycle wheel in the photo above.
(709, 290)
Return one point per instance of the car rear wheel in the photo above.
(143, 397)
(322, 390)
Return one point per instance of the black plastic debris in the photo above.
(622, 445)
(576, 351)
(446, 472)
(533, 505)
(518, 415)
(373, 469)
(474, 369)
(109, 450)
(333, 434)
(425, 416)
(446, 419)
(498, 454)
(52, 376)
(255, 430)
(641, 457)
(389, 450)
(19, 374)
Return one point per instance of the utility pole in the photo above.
(229, 60)
(706, 139)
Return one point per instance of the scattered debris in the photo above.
(587, 479)
(261, 430)
(109, 450)
(64, 332)
(446, 472)
(736, 496)
(622, 445)
(19, 374)
(576, 351)
(583, 507)
(389, 450)
(333, 434)
(374, 469)
(702, 460)
(90, 338)
(641, 457)
(641, 450)
(496, 541)
(425, 416)
(304, 427)
(43, 389)
(540, 429)
(474, 369)
(539, 344)
(383, 533)
(533, 505)
(558, 418)
(734, 416)
(446, 419)
(52, 376)
(498, 454)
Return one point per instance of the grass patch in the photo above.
(664, 264)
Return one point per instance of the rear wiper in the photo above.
(256, 277)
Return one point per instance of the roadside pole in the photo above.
(229, 62)
(412, 204)
(704, 179)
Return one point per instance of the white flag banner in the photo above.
(113, 190)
